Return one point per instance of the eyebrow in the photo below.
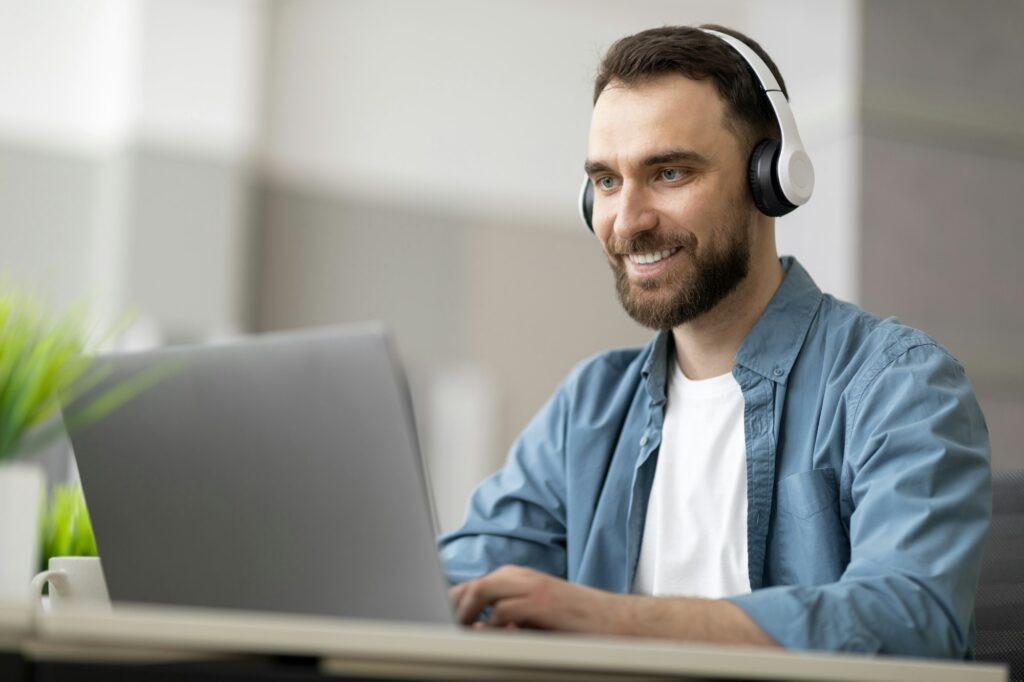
(669, 156)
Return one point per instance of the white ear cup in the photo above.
(796, 175)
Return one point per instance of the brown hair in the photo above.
(697, 55)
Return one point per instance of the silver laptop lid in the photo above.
(278, 473)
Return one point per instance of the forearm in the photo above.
(694, 620)
(522, 597)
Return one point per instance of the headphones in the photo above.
(780, 175)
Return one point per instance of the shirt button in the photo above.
(777, 371)
(643, 441)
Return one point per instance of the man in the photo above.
(776, 467)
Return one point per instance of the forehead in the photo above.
(631, 122)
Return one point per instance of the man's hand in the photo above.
(523, 598)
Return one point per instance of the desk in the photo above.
(341, 648)
(15, 620)
(15, 628)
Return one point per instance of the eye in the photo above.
(606, 182)
(671, 174)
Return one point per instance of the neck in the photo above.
(706, 347)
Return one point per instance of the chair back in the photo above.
(999, 609)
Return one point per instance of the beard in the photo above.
(686, 295)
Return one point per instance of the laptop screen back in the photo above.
(280, 473)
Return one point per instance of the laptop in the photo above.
(277, 473)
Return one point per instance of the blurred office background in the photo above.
(225, 167)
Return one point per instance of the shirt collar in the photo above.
(770, 348)
(655, 368)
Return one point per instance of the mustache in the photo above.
(646, 243)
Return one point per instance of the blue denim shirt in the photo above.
(868, 479)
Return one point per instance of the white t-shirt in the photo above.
(695, 535)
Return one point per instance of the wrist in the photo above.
(627, 618)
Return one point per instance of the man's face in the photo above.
(671, 205)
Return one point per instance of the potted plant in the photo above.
(46, 361)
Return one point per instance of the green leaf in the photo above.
(67, 528)
(114, 397)
(46, 362)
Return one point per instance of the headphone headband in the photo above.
(796, 173)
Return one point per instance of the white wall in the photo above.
(201, 89)
(817, 47)
(69, 72)
(68, 76)
(93, 96)
(478, 106)
(198, 123)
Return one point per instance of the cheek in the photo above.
(602, 221)
(710, 214)
(694, 213)
(602, 218)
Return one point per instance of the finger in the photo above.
(469, 606)
(471, 601)
(513, 613)
(455, 592)
(482, 592)
(458, 594)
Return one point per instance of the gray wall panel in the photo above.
(188, 243)
(324, 260)
(523, 304)
(540, 302)
(943, 170)
(48, 213)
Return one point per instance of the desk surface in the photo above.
(15, 625)
(410, 649)
(15, 619)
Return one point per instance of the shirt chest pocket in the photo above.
(810, 546)
(808, 493)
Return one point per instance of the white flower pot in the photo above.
(22, 490)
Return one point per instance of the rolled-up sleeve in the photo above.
(918, 479)
(517, 515)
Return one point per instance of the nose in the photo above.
(633, 212)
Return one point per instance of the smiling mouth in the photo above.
(652, 256)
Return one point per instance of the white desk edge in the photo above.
(210, 631)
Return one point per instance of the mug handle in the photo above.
(57, 577)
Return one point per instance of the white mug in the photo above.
(73, 580)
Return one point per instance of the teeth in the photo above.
(648, 258)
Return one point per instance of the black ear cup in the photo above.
(763, 177)
(587, 204)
